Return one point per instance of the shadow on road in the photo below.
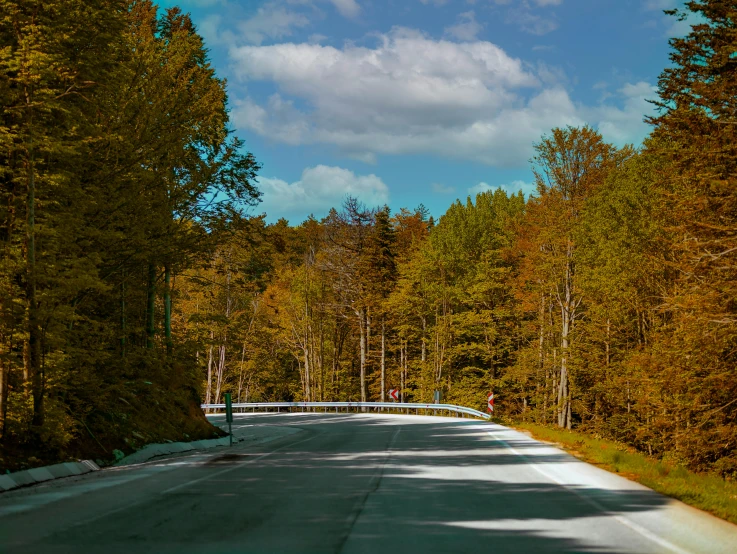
(353, 484)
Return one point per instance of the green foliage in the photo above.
(118, 171)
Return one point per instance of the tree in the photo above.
(695, 133)
(569, 165)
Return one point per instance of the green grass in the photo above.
(705, 491)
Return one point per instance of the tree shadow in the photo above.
(367, 488)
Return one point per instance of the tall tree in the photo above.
(568, 165)
(696, 132)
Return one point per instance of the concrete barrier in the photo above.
(41, 474)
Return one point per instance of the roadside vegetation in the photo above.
(705, 491)
(118, 170)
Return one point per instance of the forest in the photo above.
(135, 266)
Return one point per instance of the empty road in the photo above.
(338, 483)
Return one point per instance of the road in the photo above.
(362, 483)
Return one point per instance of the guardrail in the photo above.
(383, 406)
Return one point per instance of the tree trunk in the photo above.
(567, 308)
(151, 306)
(123, 323)
(208, 390)
(167, 308)
(34, 331)
(240, 375)
(362, 330)
(401, 373)
(541, 354)
(334, 368)
(221, 372)
(4, 374)
(307, 391)
(383, 360)
(423, 353)
(321, 360)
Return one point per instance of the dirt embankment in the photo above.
(135, 413)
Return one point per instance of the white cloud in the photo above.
(408, 94)
(440, 188)
(411, 94)
(678, 28)
(275, 19)
(466, 27)
(207, 3)
(656, 5)
(320, 188)
(478, 189)
(271, 22)
(317, 38)
(541, 3)
(280, 121)
(365, 157)
(625, 125)
(211, 30)
(511, 188)
(532, 23)
(347, 8)
(526, 15)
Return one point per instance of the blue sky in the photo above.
(424, 101)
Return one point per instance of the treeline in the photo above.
(118, 169)
(606, 301)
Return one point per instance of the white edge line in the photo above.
(621, 519)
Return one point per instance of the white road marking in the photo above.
(621, 519)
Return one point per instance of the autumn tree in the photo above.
(569, 165)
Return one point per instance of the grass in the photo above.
(707, 492)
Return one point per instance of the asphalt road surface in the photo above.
(358, 484)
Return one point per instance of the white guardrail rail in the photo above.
(241, 407)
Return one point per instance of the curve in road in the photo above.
(358, 483)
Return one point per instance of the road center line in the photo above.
(621, 519)
(373, 487)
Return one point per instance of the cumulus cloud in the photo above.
(440, 188)
(654, 5)
(530, 22)
(466, 27)
(319, 188)
(481, 187)
(625, 125)
(347, 8)
(411, 94)
(271, 22)
(511, 188)
(408, 94)
(541, 3)
(280, 120)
